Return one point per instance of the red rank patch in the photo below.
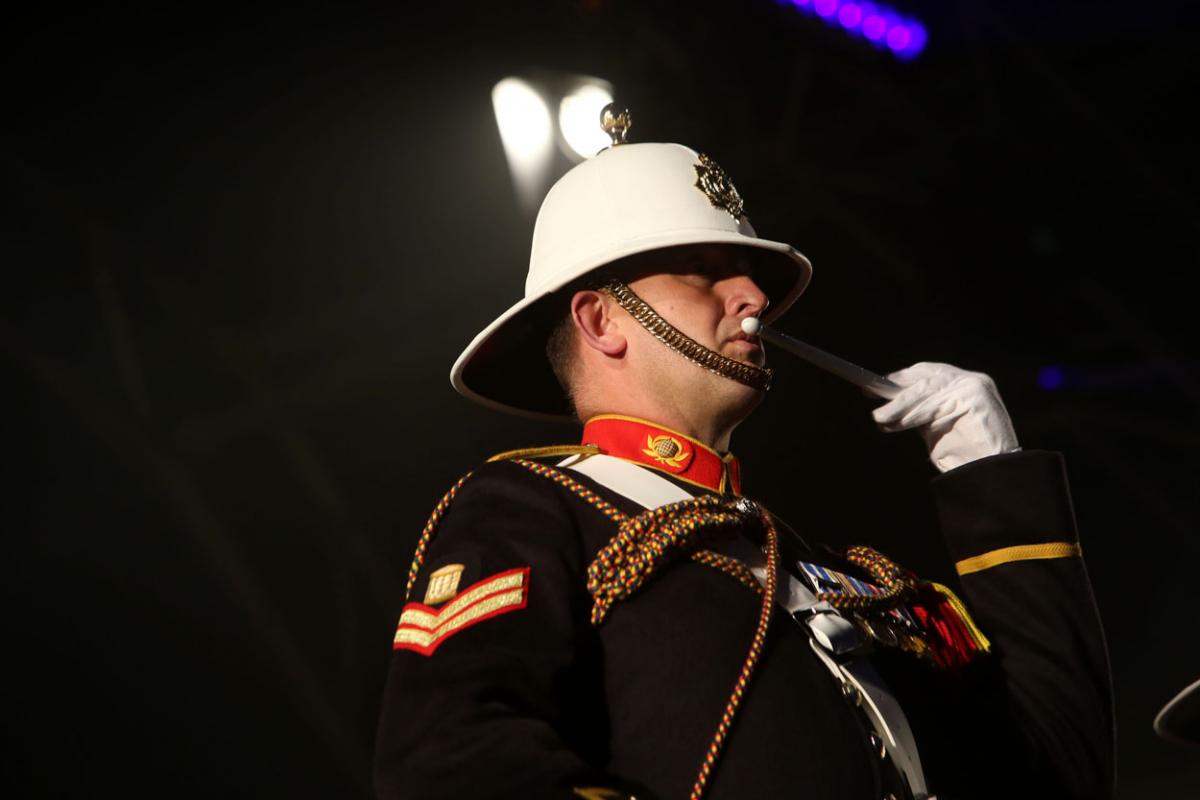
(423, 628)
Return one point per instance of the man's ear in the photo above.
(592, 314)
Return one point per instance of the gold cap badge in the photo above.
(718, 187)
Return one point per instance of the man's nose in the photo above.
(745, 299)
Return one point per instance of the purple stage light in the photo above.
(882, 26)
(825, 8)
(850, 16)
(874, 27)
(917, 38)
(898, 38)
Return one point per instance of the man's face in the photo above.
(705, 291)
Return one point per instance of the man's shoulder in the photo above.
(530, 484)
(503, 477)
(515, 482)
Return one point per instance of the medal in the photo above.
(888, 628)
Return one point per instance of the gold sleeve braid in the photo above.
(1021, 552)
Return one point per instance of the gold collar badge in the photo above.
(718, 187)
(667, 450)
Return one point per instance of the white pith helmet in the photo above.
(629, 199)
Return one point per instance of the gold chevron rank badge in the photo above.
(423, 628)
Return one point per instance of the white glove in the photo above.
(959, 414)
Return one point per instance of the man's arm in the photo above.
(1009, 526)
(1006, 515)
(493, 691)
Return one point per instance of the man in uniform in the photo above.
(614, 619)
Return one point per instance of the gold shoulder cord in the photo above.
(748, 374)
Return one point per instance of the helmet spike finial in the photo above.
(616, 123)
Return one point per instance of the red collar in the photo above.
(665, 450)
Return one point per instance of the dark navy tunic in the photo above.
(536, 702)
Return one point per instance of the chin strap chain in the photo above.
(748, 374)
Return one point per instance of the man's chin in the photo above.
(743, 401)
(734, 393)
(759, 361)
(746, 353)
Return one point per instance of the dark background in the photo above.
(243, 246)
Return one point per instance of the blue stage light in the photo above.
(917, 38)
(1051, 378)
(904, 37)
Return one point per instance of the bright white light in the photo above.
(524, 120)
(527, 132)
(579, 120)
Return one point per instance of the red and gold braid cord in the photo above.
(730, 566)
(443, 505)
(427, 533)
(648, 541)
(723, 563)
(577, 488)
(895, 581)
(756, 648)
(642, 545)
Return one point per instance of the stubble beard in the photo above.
(698, 392)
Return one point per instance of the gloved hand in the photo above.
(959, 414)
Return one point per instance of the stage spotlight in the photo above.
(825, 8)
(874, 25)
(850, 16)
(529, 129)
(904, 37)
(898, 38)
(524, 120)
(916, 40)
(527, 132)
(578, 119)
